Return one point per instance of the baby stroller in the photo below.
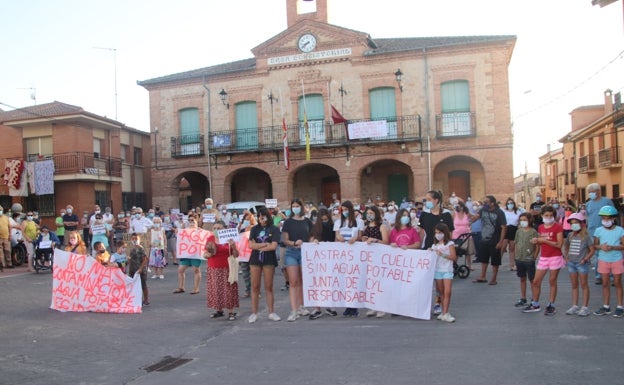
(461, 270)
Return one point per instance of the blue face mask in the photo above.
(405, 220)
(345, 214)
(555, 205)
(429, 204)
(287, 212)
(209, 207)
(245, 223)
(510, 206)
(296, 210)
(592, 195)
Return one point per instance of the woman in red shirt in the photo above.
(220, 293)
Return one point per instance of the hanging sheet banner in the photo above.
(81, 284)
(374, 276)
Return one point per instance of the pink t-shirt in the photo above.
(404, 237)
(462, 225)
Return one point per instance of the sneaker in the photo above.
(619, 312)
(355, 313)
(316, 314)
(371, 313)
(437, 309)
(252, 318)
(573, 310)
(380, 314)
(531, 309)
(346, 313)
(292, 317)
(522, 302)
(448, 318)
(161, 276)
(584, 312)
(303, 311)
(154, 276)
(603, 311)
(440, 316)
(274, 317)
(550, 310)
(331, 312)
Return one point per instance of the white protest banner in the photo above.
(270, 203)
(374, 276)
(45, 244)
(192, 242)
(80, 284)
(372, 129)
(209, 218)
(244, 251)
(226, 234)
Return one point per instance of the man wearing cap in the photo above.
(594, 221)
(5, 243)
(209, 215)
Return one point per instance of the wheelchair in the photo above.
(43, 259)
(19, 254)
(461, 250)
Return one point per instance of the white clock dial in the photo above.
(307, 43)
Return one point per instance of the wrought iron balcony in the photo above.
(86, 163)
(587, 164)
(322, 134)
(187, 145)
(609, 157)
(456, 124)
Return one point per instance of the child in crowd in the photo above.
(445, 250)
(551, 260)
(101, 254)
(158, 245)
(609, 242)
(578, 250)
(119, 257)
(137, 263)
(526, 254)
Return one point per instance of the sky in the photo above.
(92, 53)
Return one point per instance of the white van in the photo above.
(239, 207)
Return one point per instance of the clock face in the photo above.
(307, 43)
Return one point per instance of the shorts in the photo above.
(577, 267)
(488, 251)
(525, 269)
(615, 268)
(292, 257)
(190, 262)
(510, 235)
(268, 259)
(551, 263)
(443, 275)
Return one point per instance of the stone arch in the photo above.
(248, 184)
(192, 188)
(386, 180)
(316, 182)
(463, 175)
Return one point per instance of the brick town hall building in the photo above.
(423, 113)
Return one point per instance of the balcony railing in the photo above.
(608, 157)
(187, 145)
(322, 134)
(587, 163)
(83, 163)
(456, 124)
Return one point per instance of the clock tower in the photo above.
(297, 10)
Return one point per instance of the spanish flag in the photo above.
(286, 149)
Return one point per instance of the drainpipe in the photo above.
(427, 120)
(208, 132)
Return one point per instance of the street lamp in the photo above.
(399, 78)
(343, 92)
(223, 97)
(272, 98)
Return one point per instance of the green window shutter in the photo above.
(189, 126)
(246, 125)
(315, 110)
(383, 107)
(455, 96)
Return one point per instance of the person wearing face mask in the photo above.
(609, 243)
(432, 215)
(137, 264)
(119, 257)
(348, 229)
(158, 245)
(209, 215)
(323, 231)
(75, 244)
(102, 255)
(512, 213)
(45, 244)
(247, 222)
(170, 225)
(99, 233)
(578, 250)
(461, 222)
(140, 225)
(593, 205)
(5, 242)
(120, 227)
(60, 227)
(375, 231)
(559, 210)
(70, 219)
(389, 217)
(29, 230)
(536, 210)
(550, 241)
(526, 254)
(493, 230)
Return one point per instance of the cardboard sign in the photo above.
(244, 251)
(374, 276)
(226, 234)
(209, 218)
(97, 229)
(270, 203)
(80, 284)
(192, 243)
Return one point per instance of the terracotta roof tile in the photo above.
(47, 110)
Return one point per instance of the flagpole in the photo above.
(329, 100)
(305, 123)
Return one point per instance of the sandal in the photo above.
(480, 280)
(217, 314)
(178, 291)
(232, 317)
(194, 292)
(246, 295)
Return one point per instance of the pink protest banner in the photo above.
(244, 252)
(81, 284)
(374, 276)
(192, 243)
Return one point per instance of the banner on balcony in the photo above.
(372, 129)
(374, 276)
(81, 284)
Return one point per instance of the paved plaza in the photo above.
(490, 343)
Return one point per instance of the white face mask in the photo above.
(607, 222)
(548, 221)
(439, 236)
(524, 223)
(575, 227)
